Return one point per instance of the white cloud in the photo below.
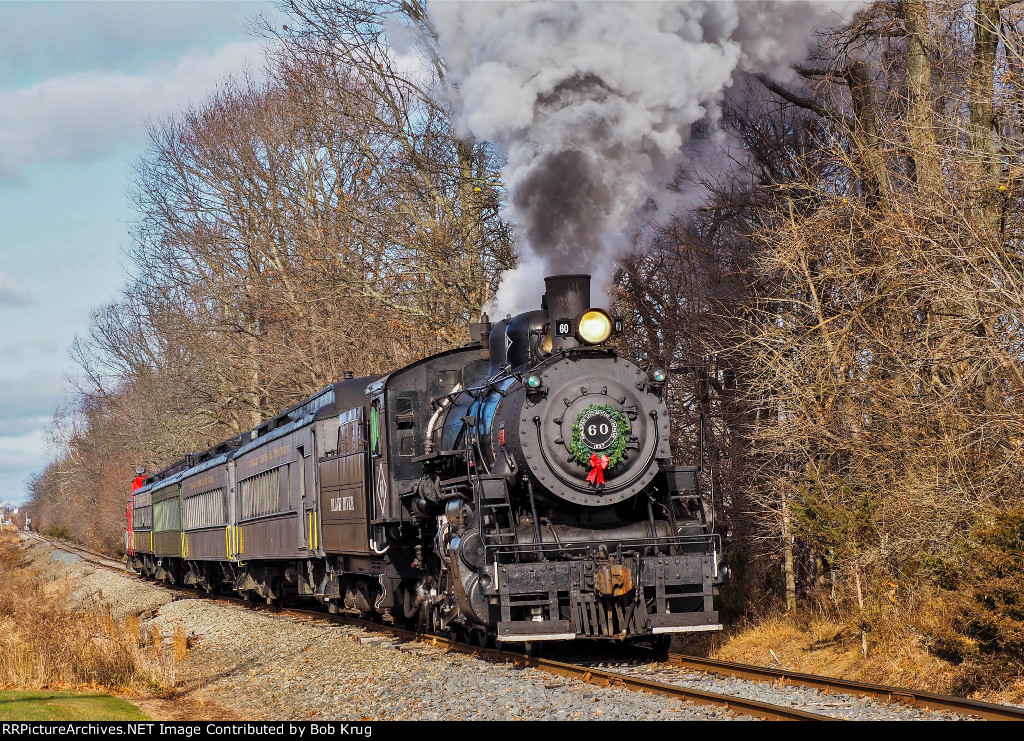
(11, 294)
(44, 39)
(26, 450)
(34, 394)
(16, 433)
(20, 456)
(13, 485)
(42, 349)
(82, 115)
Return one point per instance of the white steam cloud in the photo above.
(595, 104)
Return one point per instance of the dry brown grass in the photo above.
(826, 640)
(46, 642)
(179, 644)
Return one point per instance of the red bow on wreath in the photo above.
(597, 466)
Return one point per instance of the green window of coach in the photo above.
(375, 429)
(166, 515)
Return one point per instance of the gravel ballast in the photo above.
(261, 666)
(255, 665)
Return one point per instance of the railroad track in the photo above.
(595, 676)
(87, 554)
(607, 677)
(883, 693)
(590, 675)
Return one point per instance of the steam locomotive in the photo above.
(518, 489)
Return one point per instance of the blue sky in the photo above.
(78, 83)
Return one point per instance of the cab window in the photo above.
(405, 419)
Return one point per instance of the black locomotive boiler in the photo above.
(518, 489)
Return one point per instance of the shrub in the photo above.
(60, 532)
(985, 634)
(47, 642)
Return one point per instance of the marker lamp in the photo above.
(533, 381)
(595, 327)
(658, 375)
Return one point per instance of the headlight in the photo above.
(595, 327)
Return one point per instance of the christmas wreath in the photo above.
(615, 441)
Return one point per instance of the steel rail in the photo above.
(904, 695)
(601, 677)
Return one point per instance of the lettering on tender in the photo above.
(343, 504)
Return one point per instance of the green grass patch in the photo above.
(36, 705)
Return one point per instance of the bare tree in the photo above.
(288, 230)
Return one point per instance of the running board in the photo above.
(684, 622)
(535, 630)
(687, 628)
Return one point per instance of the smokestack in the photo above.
(567, 297)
